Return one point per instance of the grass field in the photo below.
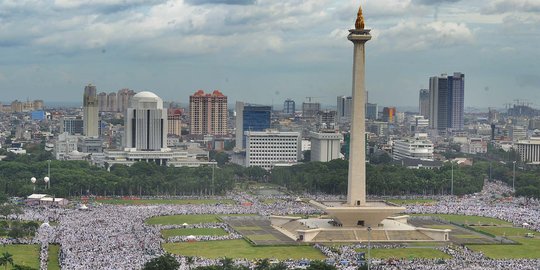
(529, 248)
(413, 201)
(53, 264)
(441, 227)
(241, 249)
(164, 201)
(181, 219)
(406, 253)
(470, 220)
(27, 255)
(468, 236)
(195, 231)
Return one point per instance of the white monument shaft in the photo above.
(356, 193)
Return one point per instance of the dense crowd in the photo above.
(117, 237)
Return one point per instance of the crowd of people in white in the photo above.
(117, 237)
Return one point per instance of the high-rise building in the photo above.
(310, 110)
(372, 111)
(90, 112)
(344, 108)
(112, 102)
(326, 119)
(250, 117)
(146, 123)
(389, 114)
(424, 103)
(446, 102)
(325, 146)
(289, 107)
(174, 122)
(456, 91)
(208, 113)
(102, 102)
(123, 99)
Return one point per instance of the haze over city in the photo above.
(266, 51)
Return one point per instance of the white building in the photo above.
(65, 145)
(518, 133)
(272, 148)
(529, 150)
(325, 146)
(474, 146)
(419, 147)
(146, 123)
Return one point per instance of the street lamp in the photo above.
(514, 177)
(368, 247)
(47, 182)
(452, 180)
(33, 180)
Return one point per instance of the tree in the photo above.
(163, 262)
(6, 259)
(320, 265)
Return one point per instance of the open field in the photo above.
(241, 249)
(27, 255)
(413, 201)
(164, 201)
(53, 264)
(529, 248)
(261, 237)
(181, 219)
(406, 253)
(469, 220)
(195, 231)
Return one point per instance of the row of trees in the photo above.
(75, 178)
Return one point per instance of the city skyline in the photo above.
(277, 50)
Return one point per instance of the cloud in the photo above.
(528, 80)
(224, 2)
(413, 36)
(435, 2)
(509, 6)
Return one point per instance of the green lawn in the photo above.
(195, 231)
(441, 227)
(529, 248)
(165, 201)
(27, 255)
(406, 253)
(467, 236)
(53, 264)
(241, 249)
(412, 201)
(181, 219)
(470, 220)
(261, 237)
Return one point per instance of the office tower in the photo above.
(16, 106)
(102, 102)
(251, 117)
(446, 102)
(424, 103)
(344, 108)
(289, 107)
(123, 99)
(270, 148)
(90, 112)
(310, 110)
(208, 113)
(389, 114)
(372, 111)
(38, 105)
(325, 146)
(174, 122)
(73, 125)
(456, 92)
(145, 123)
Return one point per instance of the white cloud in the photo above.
(508, 6)
(411, 36)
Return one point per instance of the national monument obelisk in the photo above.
(356, 191)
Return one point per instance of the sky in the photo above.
(265, 51)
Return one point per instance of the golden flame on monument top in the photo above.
(359, 25)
